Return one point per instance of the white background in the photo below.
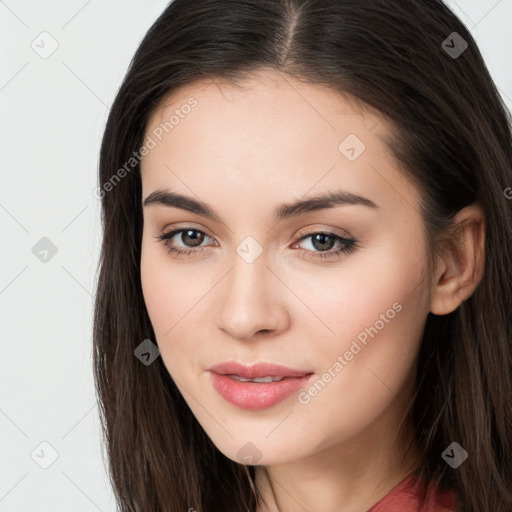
(52, 114)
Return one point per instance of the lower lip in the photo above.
(256, 395)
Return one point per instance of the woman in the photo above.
(304, 295)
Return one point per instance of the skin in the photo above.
(244, 152)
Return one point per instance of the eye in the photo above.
(191, 237)
(321, 241)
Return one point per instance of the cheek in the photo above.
(168, 289)
(352, 296)
(378, 317)
(165, 291)
(372, 314)
(154, 288)
(164, 308)
(176, 297)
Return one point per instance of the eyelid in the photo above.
(186, 226)
(315, 229)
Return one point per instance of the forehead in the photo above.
(269, 89)
(274, 132)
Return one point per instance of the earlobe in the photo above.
(461, 266)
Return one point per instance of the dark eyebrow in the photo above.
(285, 211)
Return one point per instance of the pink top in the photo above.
(404, 497)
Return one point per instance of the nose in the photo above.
(251, 300)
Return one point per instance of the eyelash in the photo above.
(350, 244)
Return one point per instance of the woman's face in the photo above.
(251, 285)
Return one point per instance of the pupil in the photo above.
(322, 239)
(196, 240)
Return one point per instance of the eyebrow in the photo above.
(284, 211)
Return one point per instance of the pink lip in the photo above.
(257, 370)
(256, 395)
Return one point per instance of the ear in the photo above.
(461, 266)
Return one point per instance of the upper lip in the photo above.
(256, 370)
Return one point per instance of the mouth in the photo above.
(256, 387)
(256, 371)
(257, 379)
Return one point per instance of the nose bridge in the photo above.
(249, 300)
(248, 279)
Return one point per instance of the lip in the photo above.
(256, 370)
(256, 395)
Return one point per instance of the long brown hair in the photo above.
(451, 136)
